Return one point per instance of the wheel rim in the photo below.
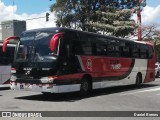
(85, 86)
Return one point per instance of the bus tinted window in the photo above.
(101, 49)
(81, 47)
(86, 44)
(136, 51)
(126, 49)
(42, 41)
(150, 52)
(111, 48)
(87, 49)
(143, 52)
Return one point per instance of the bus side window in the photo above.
(73, 39)
(81, 47)
(143, 52)
(135, 51)
(101, 49)
(126, 49)
(150, 49)
(87, 48)
(111, 48)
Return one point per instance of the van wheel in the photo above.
(138, 80)
(85, 87)
(157, 75)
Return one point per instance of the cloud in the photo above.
(149, 15)
(33, 20)
(37, 20)
(6, 12)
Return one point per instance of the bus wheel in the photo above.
(85, 87)
(46, 94)
(157, 75)
(138, 80)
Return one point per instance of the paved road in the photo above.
(124, 98)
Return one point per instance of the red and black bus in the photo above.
(56, 60)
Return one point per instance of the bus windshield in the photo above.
(35, 45)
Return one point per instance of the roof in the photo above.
(61, 29)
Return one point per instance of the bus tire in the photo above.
(46, 94)
(86, 86)
(138, 79)
(157, 75)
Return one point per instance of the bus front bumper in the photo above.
(49, 88)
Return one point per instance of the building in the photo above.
(12, 28)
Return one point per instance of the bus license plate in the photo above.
(25, 87)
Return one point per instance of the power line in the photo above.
(33, 18)
(22, 20)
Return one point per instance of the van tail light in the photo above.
(13, 70)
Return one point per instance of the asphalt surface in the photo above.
(122, 98)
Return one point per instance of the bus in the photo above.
(6, 60)
(59, 60)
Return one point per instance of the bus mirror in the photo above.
(6, 41)
(54, 41)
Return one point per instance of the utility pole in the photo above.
(139, 19)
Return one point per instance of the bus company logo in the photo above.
(21, 114)
(89, 64)
(6, 114)
(27, 72)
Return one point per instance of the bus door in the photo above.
(67, 57)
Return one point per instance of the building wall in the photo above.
(19, 27)
(12, 28)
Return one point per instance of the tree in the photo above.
(112, 21)
(107, 16)
(63, 11)
(149, 32)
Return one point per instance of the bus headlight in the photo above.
(47, 79)
(50, 79)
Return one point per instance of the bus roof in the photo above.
(61, 29)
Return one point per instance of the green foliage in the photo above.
(114, 22)
(104, 16)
